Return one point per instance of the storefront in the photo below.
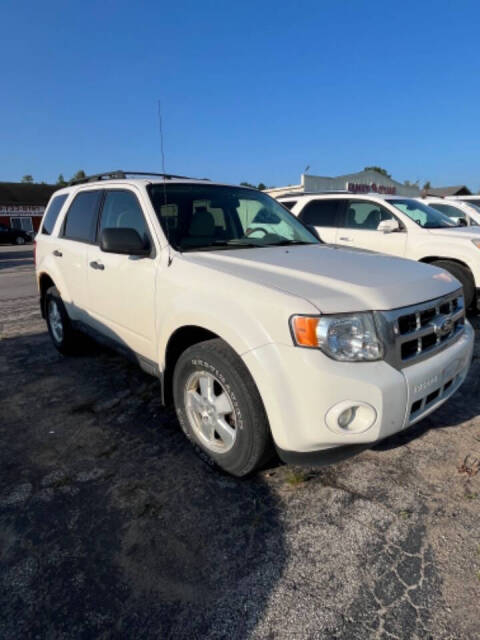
(362, 182)
(22, 204)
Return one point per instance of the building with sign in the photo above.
(362, 182)
(22, 204)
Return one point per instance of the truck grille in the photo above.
(415, 333)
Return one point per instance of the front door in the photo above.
(121, 288)
(359, 228)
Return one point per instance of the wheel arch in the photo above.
(44, 283)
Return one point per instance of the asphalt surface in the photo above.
(16, 272)
(111, 527)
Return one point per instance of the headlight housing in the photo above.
(345, 337)
(476, 243)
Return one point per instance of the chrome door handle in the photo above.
(346, 239)
(97, 265)
(57, 253)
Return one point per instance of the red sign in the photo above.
(358, 187)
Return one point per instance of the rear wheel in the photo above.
(59, 326)
(219, 408)
(19, 240)
(464, 275)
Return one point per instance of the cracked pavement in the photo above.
(111, 527)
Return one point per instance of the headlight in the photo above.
(476, 243)
(347, 337)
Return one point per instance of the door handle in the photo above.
(97, 265)
(346, 239)
(57, 253)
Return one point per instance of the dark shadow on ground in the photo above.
(110, 526)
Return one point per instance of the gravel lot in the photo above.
(110, 527)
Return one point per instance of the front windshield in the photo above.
(210, 217)
(422, 214)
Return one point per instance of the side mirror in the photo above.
(463, 222)
(388, 226)
(123, 240)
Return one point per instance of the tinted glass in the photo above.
(448, 210)
(82, 216)
(362, 214)
(290, 204)
(423, 215)
(197, 216)
(121, 209)
(321, 213)
(51, 214)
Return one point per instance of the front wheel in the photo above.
(219, 408)
(464, 275)
(19, 240)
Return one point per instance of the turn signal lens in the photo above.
(305, 331)
(476, 243)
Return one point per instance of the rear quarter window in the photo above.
(51, 214)
(321, 213)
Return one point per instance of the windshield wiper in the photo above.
(284, 243)
(221, 245)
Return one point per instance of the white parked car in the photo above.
(262, 336)
(400, 226)
(459, 212)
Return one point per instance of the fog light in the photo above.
(350, 417)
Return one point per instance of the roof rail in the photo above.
(121, 174)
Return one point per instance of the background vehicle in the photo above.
(9, 235)
(395, 225)
(458, 211)
(260, 334)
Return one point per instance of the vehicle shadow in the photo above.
(110, 525)
(12, 259)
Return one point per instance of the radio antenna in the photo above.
(162, 151)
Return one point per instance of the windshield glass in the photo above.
(197, 217)
(423, 215)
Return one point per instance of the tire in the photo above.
(64, 338)
(220, 410)
(19, 240)
(464, 275)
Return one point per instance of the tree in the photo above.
(247, 184)
(27, 178)
(261, 186)
(61, 180)
(80, 175)
(380, 170)
(427, 185)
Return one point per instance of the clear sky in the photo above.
(249, 90)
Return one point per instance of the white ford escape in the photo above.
(263, 336)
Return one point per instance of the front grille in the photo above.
(414, 333)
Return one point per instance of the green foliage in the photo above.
(61, 180)
(380, 170)
(260, 186)
(80, 175)
(427, 185)
(27, 178)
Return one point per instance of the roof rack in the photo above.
(121, 174)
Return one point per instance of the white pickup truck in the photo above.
(395, 225)
(263, 336)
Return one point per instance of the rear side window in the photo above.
(321, 213)
(82, 216)
(51, 214)
(290, 204)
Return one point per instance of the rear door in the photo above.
(359, 223)
(121, 288)
(70, 249)
(324, 214)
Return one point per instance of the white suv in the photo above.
(262, 335)
(459, 212)
(394, 225)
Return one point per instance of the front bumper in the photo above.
(299, 387)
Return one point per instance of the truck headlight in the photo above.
(346, 337)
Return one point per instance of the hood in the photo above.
(457, 233)
(334, 279)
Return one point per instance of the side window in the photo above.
(322, 213)
(121, 209)
(448, 210)
(361, 214)
(290, 204)
(51, 214)
(82, 216)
